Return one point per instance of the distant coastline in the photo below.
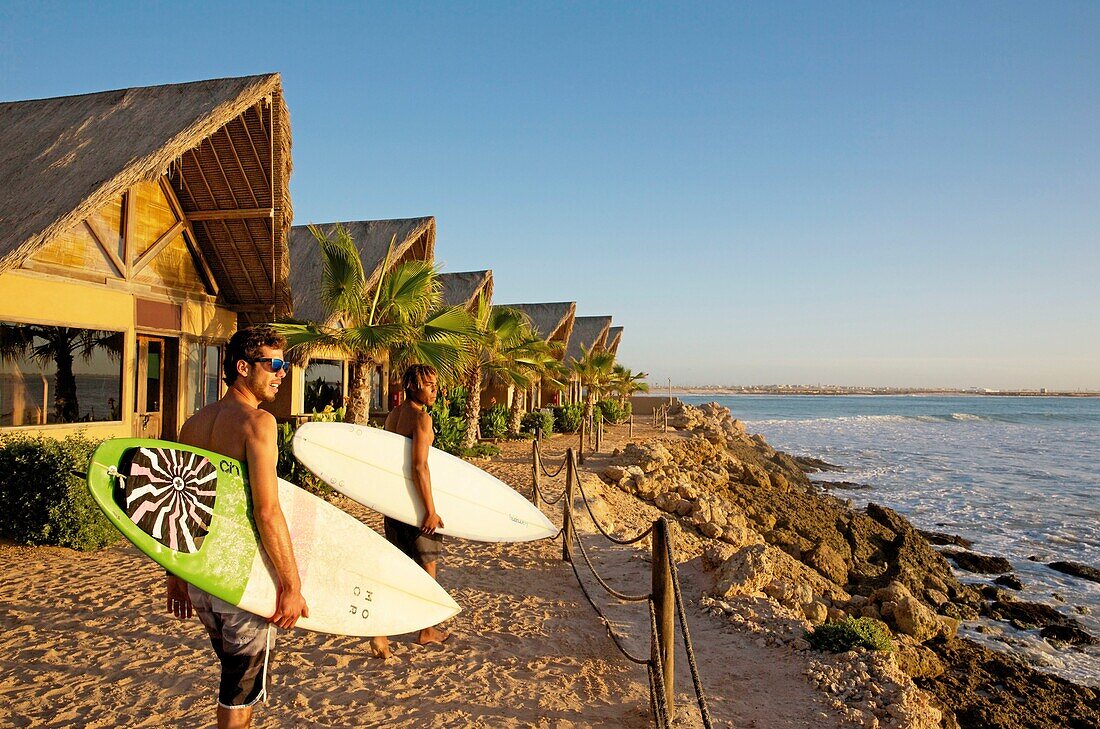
(842, 390)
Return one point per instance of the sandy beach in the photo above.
(86, 642)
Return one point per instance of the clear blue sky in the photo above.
(868, 193)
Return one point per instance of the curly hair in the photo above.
(415, 376)
(247, 344)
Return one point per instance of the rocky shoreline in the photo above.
(779, 546)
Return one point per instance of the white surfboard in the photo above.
(190, 511)
(374, 467)
(354, 581)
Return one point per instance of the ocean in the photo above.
(1018, 476)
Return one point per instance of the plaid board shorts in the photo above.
(243, 643)
(420, 548)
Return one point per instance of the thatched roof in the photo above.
(224, 143)
(590, 331)
(462, 289)
(415, 240)
(553, 322)
(614, 335)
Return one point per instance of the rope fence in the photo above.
(664, 602)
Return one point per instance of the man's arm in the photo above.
(422, 439)
(262, 452)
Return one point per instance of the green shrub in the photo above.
(328, 415)
(494, 421)
(480, 450)
(567, 418)
(456, 400)
(850, 633)
(42, 501)
(290, 468)
(613, 411)
(449, 427)
(540, 420)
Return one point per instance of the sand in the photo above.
(85, 642)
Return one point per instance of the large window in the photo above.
(204, 362)
(324, 380)
(54, 374)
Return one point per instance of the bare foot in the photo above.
(432, 635)
(380, 648)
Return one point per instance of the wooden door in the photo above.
(149, 394)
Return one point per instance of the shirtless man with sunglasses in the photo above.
(235, 426)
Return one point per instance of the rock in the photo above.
(715, 554)
(917, 661)
(937, 598)
(1010, 581)
(912, 618)
(1030, 615)
(1077, 570)
(825, 560)
(1067, 634)
(978, 563)
(687, 491)
(747, 572)
(949, 627)
(756, 476)
(614, 474)
(816, 612)
(813, 465)
(944, 539)
(711, 530)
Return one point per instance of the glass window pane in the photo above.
(213, 374)
(194, 377)
(152, 378)
(324, 381)
(52, 374)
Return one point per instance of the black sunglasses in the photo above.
(276, 363)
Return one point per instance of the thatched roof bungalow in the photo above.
(554, 322)
(325, 380)
(149, 220)
(463, 289)
(589, 332)
(614, 336)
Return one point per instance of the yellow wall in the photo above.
(59, 287)
(34, 300)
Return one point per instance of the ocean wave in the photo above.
(1015, 418)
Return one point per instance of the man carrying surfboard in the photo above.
(235, 426)
(422, 544)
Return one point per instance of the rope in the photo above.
(704, 710)
(622, 596)
(632, 540)
(547, 472)
(658, 667)
(606, 622)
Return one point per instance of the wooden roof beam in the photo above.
(233, 214)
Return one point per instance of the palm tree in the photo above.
(61, 346)
(593, 369)
(531, 362)
(500, 330)
(625, 383)
(402, 318)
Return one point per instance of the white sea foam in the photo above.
(1017, 476)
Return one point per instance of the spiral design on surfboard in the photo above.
(170, 496)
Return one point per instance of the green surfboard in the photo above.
(190, 511)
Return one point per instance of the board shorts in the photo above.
(243, 642)
(420, 548)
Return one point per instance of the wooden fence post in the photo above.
(631, 431)
(664, 608)
(567, 509)
(580, 446)
(535, 474)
